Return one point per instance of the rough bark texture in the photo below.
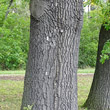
(51, 79)
(99, 96)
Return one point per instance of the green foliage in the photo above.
(103, 17)
(106, 22)
(103, 11)
(89, 40)
(14, 36)
(28, 107)
(105, 52)
(106, 15)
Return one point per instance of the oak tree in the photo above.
(51, 79)
(99, 96)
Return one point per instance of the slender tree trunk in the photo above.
(51, 79)
(99, 96)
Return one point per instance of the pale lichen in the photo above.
(38, 7)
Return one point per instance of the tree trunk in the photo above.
(99, 96)
(51, 79)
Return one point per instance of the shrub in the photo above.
(89, 41)
(14, 37)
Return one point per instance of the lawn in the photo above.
(86, 70)
(84, 84)
(11, 93)
(13, 72)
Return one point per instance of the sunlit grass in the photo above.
(13, 72)
(84, 84)
(11, 93)
(86, 70)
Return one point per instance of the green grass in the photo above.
(13, 72)
(87, 70)
(84, 84)
(11, 93)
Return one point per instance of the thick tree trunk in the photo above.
(51, 79)
(99, 96)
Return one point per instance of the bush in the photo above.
(14, 37)
(89, 41)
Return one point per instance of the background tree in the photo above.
(99, 96)
(51, 79)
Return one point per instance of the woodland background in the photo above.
(15, 31)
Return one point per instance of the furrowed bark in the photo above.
(99, 96)
(51, 79)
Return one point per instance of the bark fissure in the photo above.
(99, 96)
(51, 80)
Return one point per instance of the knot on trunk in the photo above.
(38, 8)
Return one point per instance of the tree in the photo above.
(99, 96)
(51, 79)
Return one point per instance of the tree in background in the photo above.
(99, 96)
(51, 79)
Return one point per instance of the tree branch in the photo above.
(11, 1)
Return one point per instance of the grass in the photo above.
(13, 72)
(84, 84)
(11, 93)
(86, 70)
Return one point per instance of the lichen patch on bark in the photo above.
(37, 8)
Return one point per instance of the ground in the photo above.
(11, 89)
(21, 77)
(12, 77)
